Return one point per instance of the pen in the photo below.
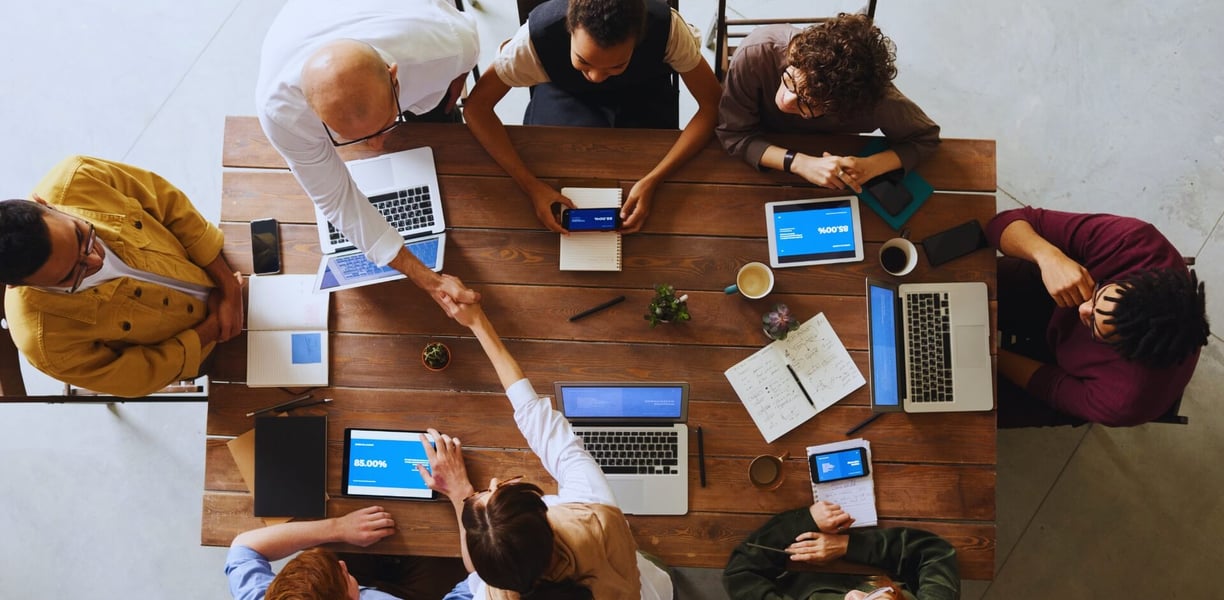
(801, 388)
(282, 405)
(315, 403)
(766, 547)
(590, 311)
(701, 456)
(865, 423)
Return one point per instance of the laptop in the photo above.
(403, 186)
(929, 347)
(636, 432)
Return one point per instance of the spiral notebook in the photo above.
(592, 250)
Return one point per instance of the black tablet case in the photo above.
(291, 467)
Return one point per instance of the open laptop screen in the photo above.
(612, 401)
(882, 308)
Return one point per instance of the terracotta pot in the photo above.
(449, 356)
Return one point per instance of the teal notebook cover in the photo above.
(917, 186)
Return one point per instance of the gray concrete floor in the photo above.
(1096, 106)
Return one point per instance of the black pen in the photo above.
(282, 405)
(590, 311)
(801, 388)
(701, 455)
(315, 403)
(865, 423)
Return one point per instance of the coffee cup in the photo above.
(766, 471)
(898, 256)
(754, 280)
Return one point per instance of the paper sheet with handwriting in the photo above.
(856, 496)
(771, 391)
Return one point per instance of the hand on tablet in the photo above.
(365, 526)
(449, 475)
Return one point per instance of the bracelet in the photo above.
(786, 162)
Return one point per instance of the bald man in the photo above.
(335, 73)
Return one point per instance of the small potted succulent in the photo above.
(435, 356)
(666, 307)
(779, 322)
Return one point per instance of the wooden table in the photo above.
(934, 471)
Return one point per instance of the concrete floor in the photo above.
(1096, 106)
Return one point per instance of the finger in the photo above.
(425, 475)
(430, 452)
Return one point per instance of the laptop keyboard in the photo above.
(406, 210)
(929, 338)
(633, 451)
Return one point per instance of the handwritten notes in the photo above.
(775, 395)
(856, 496)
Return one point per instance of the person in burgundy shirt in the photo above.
(1101, 321)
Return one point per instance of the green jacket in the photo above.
(921, 561)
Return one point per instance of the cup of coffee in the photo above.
(754, 280)
(765, 471)
(898, 256)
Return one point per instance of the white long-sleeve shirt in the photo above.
(579, 478)
(431, 42)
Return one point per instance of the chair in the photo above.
(1171, 416)
(729, 32)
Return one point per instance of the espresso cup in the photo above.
(898, 256)
(755, 280)
(765, 471)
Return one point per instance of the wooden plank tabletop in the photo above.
(934, 471)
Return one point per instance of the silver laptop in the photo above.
(929, 347)
(403, 186)
(636, 432)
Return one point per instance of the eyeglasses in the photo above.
(81, 266)
(788, 81)
(514, 479)
(400, 119)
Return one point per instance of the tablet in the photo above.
(814, 232)
(350, 269)
(382, 463)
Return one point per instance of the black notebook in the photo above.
(291, 467)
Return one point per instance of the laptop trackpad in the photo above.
(971, 352)
(373, 175)
(629, 494)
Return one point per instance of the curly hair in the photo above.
(1160, 317)
(315, 574)
(608, 22)
(25, 240)
(845, 64)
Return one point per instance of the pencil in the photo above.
(282, 405)
(590, 311)
(865, 423)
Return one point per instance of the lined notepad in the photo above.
(592, 250)
(855, 496)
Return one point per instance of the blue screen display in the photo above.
(622, 402)
(882, 306)
(803, 232)
(383, 463)
(591, 219)
(843, 464)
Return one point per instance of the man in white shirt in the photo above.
(336, 73)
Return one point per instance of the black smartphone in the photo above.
(890, 192)
(265, 246)
(591, 219)
(954, 243)
(838, 465)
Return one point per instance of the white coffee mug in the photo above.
(898, 256)
(755, 280)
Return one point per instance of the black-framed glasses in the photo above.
(514, 479)
(399, 120)
(788, 81)
(81, 266)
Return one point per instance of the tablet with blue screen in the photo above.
(814, 232)
(383, 464)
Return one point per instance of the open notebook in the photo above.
(286, 332)
(592, 250)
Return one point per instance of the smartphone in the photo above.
(591, 219)
(265, 246)
(954, 243)
(838, 465)
(890, 192)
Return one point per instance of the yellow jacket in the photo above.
(123, 337)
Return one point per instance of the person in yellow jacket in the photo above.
(116, 282)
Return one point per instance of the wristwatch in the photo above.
(786, 162)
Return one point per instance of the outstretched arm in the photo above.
(361, 527)
(448, 476)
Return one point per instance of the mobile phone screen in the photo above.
(835, 466)
(954, 243)
(590, 219)
(265, 246)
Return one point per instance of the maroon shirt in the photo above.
(1090, 380)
